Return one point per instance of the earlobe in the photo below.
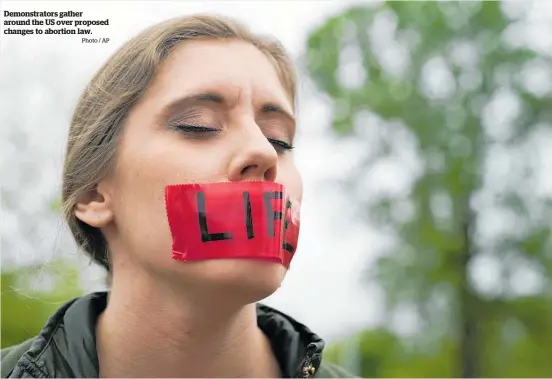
(95, 208)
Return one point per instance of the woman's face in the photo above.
(215, 112)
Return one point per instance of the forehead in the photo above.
(236, 69)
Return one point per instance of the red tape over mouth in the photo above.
(249, 220)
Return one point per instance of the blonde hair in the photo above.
(107, 100)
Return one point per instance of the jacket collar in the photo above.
(72, 327)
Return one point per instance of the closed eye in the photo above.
(195, 128)
(280, 146)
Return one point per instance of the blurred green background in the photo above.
(451, 83)
(449, 89)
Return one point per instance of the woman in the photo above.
(188, 103)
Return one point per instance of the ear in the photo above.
(95, 207)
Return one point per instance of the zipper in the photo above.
(308, 369)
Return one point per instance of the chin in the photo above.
(240, 281)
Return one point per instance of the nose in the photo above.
(255, 158)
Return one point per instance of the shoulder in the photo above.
(329, 370)
(10, 355)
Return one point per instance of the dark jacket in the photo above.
(66, 346)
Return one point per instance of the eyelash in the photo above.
(280, 146)
(195, 129)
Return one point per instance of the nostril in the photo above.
(248, 169)
(253, 172)
(270, 174)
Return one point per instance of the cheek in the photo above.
(144, 168)
(147, 165)
(142, 173)
(289, 175)
(139, 202)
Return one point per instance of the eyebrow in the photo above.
(217, 98)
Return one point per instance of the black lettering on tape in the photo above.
(205, 235)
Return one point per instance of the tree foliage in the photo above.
(442, 90)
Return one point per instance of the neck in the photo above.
(147, 331)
